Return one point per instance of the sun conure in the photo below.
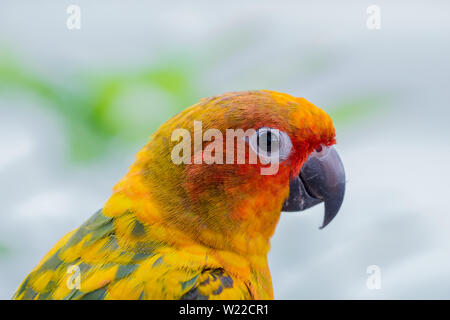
(196, 228)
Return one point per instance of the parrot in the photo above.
(196, 229)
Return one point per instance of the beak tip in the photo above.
(332, 207)
(324, 224)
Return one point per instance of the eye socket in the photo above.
(271, 144)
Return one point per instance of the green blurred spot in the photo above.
(100, 109)
(349, 111)
(3, 250)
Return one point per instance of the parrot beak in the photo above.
(321, 179)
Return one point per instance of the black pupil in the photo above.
(268, 137)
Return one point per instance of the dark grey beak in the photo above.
(321, 179)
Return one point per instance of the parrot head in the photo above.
(188, 178)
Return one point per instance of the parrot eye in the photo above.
(271, 143)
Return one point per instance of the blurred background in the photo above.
(76, 105)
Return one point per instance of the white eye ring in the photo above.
(323, 153)
(271, 144)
